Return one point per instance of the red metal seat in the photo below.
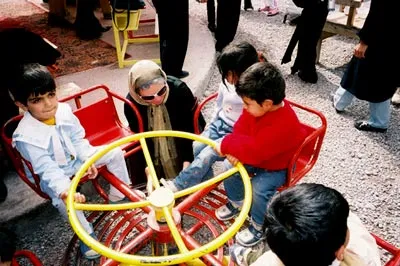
(306, 155)
(98, 115)
(26, 255)
(395, 252)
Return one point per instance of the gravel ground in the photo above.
(363, 166)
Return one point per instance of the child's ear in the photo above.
(21, 105)
(340, 253)
(261, 57)
(267, 104)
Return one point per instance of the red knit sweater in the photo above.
(268, 142)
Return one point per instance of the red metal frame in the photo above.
(27, 255)
(306, 155)
(395, 260)
(102, 126)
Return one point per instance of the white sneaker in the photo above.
(396, 97)
(169, 184)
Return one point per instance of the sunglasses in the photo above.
(151, 97)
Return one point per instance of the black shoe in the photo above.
(182, 75)
(365, 126)
(294, 70)
(3, 190)
(212, 27)
(246, 8)
(310, 77)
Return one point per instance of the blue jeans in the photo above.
(264, 183)
(379, 112)
(201, 168)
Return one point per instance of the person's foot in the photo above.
(226, 212)
(169, 184)
(246, 8)
(239, 254)
(182, 74)
(250, 236)
(310, 77)
(396, 98)
(118, 200)
(273, 12)
(87, 252)
(294, 21)
(365, 126)
(212, 27)
(264, 9)
(3, 190)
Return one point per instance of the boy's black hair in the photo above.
(262, 81)
(34, 79)
(7, 244)
(307, 224)
(236, 57)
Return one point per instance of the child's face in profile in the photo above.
(44, 106)
(254, 108)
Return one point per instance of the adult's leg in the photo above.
(342, 98)
(211, 14)
(174, 34)
(314, 18)
(228, 12)
(379, 114)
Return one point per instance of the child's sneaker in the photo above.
(272, 12)
(250, 236)
(226, 212)
(118, 200)
(239, 254)
(87, 252)
(169, 184)
(264, 9)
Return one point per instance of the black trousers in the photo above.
(228, 12)
(173, 23)
(211, 12)
(309, 29)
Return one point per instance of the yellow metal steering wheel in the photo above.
(161, 200)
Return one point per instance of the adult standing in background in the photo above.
(307, 33)
(173, 25)
(371, 74)
(228, 13)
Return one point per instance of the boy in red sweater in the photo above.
(264, 139)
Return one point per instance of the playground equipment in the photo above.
(167, 231)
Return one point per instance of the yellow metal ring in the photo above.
(186, 255)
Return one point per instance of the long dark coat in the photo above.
(375, 77)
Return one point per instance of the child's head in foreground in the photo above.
(36, 92)
(307, 225)
(262, 88)
(235, 58)
(7, 246)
